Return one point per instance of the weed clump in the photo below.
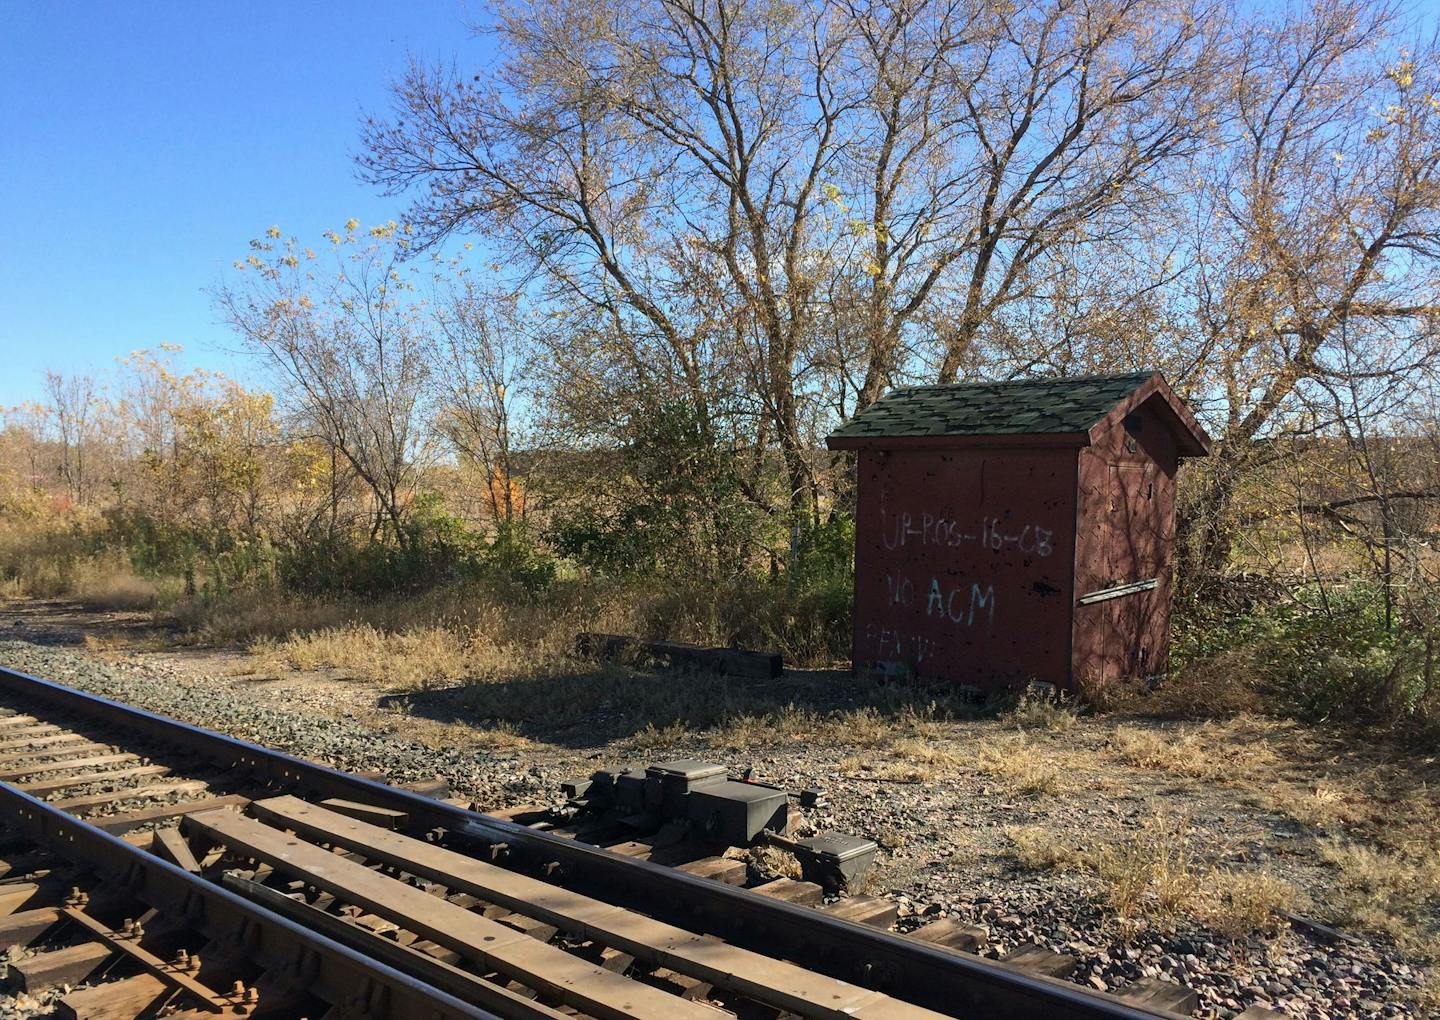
(1155, 874)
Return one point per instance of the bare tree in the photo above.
(1319, 232)
(73, 412)
(348, 341)
(482, 367)
(728, 180)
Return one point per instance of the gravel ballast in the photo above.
(928, 874)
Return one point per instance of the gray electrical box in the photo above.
(622, 788)
(834, 859)
(630, 789)
(735, 813)
(668, 783)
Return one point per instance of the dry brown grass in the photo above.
(906, 760)
(1397, 894)
(439, 637)
(1218, 687)
(1241, 902)
(1051, 715)
(1021, 766)
(1155, 873)
(864, 726)
(111, 642)
(1036, 848)
(43, 560)
(115, 589)
(418, 657)
(771, 862)
(1234, 750)
(1324, 804)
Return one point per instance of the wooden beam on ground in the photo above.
(521, 814)
(805, 893)
(1035, 959)
(385, 817)
(678, 654)
(547, 968)
(171, 845)
(29, 732)
(682, 985)
(15, 895)
(758, 977)
(55, 752)
(436, 789)
(27, 926)
(48, 736)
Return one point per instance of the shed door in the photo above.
(1131, 543)
(1132, 555)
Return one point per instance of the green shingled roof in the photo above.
(989, 408)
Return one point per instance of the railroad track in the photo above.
(171, 870)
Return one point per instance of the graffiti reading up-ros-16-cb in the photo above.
(899, 530)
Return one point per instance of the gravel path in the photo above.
(937, 858)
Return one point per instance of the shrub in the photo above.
(1320, 655)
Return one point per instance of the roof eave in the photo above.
(991, 439)
(1191, 439)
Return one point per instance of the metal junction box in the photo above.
(735, 813)
(1016, 531)
(834, 859)
(621, 787)
(668, 783)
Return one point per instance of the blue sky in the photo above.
(142, 145)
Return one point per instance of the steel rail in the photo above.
(961, 985)
(292, 956)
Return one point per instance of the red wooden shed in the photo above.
(1015, 531)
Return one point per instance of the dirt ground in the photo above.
(1196, 850)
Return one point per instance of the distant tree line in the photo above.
(708, 230)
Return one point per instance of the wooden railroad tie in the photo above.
(948, 933)
(875, 912)
(1152, 993)
(49, 736)
(721, 869)
(55, 752)
(78, 805)
(1035, 959)
(41, 787)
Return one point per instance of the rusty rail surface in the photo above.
(952, 983)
